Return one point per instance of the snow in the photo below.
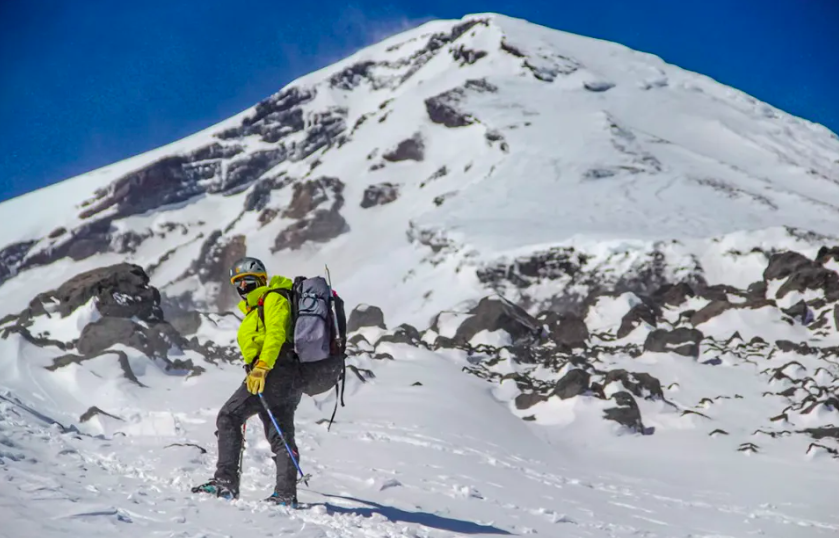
(441, 459)
(649, 158)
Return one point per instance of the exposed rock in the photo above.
(325, 130)
(122, 358)
(641, 384)
(526, 400)
(826, 254)
(785, 264)
(260, 194)
(566, 329)
(218, 254)
(822, 432)
(710, 311)
(248, 169)
(443, 108)
(121, 291)
(11, 258)
(359, 341)
(404, 334)
(365, 315)
(574, 383)
(321, 227)
(640, 313)
(128, 242)
(308, 195)
(94, 411)
(496, 313)
(435, 43)
(510, 49)
(757, 290)
(683, 341)
(351, 77)
(441, 172)
(626, 413)
(380, 194)
(153, 339)
(598, 86)
(811, 276)
(673, 294)
(468, 56)
(167, 181)
(480, 85)
(800, 311)
(411, 149)
(275, 117)
(186, 323)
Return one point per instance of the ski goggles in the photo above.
(247, 282)
(250, 276)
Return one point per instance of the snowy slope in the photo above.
(423, 449)
(671, 370)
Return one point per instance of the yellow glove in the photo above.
(256, 378)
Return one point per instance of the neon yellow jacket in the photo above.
(265, 342)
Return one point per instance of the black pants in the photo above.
(283, 390)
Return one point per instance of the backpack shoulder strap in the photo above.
(260, 306)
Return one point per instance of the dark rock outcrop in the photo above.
(683, 341)
(673, 294)
(380, 194)
(404, 334)
(526, 400)
(11, 258)
(784, 264)
(444, 108)
(412, 149)
(260, 194)
(308, 195)
(321, 227)
(641, 384)
(640, 313)
(275, 117)
(626, 413)
(351, 77)
(218, 253)
(186, 322)
(496, 313)
(574, 383)
(315, 225)
(710, 311)
(94, 411)
(565, 329)
(467, 56)
(365, 315)
(121, 291)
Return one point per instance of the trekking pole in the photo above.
(303, 477)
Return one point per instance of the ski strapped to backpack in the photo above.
(318, 328)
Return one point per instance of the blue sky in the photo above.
(88, 82)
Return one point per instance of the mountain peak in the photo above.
(453, 143)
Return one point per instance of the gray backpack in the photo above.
(319, 326)
(316, 325)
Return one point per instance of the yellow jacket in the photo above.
(265, 341)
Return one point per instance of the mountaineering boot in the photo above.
(214, 487)
(275, 498)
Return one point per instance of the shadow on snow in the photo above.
(420, 518)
